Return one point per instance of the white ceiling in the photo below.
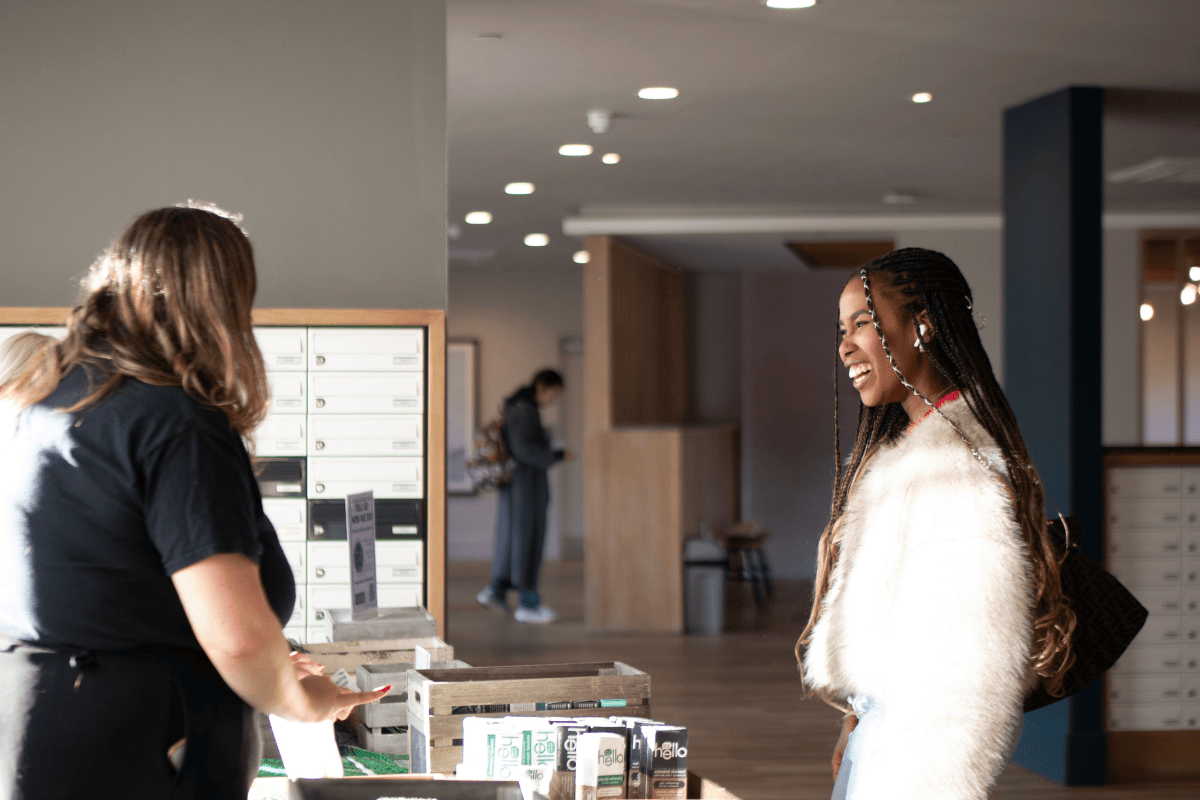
(784, 112)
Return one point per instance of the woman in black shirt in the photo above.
(142, 588)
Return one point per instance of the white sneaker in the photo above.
(535, 616)
(488, 600)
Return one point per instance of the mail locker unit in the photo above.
(349, 402)
(1152, 543)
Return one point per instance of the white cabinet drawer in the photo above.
(1160, 601)
(1191, 482)
(366, 393)
(393, 595)
(299, 616)
(1145, 716)
(283, 349)
(1148, 572)
(287, 392)
(298, 634)
(281, 435)
(366, 349)
(328, 563)
(398, 561)
(1190, 630)
(1191, 659)
(1191, 688)
(1191, 542)
(1160, 630)
(375, 435)
(1148, 659)
(1145, 513)
(333, 478)
(290, 518)
(1126, 483)
(1166, 688)
(1143, 542)
(395, 562)
(296, 554)
(1191, 572)
(1191, 716)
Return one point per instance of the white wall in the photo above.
(519, 319)
(323, 123)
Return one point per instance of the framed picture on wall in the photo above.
(462, 414)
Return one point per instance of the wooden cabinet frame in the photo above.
(434, 321)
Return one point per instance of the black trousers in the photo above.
(99, 725)
(521, 530)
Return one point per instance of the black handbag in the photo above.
(1107, 615)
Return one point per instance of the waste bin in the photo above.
(705, 562)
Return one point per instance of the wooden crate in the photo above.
(392, 710)
(348, 655)
(436, 731)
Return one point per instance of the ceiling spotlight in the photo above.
(791, 3)
(599, 120)
(1194, 273)
(478, 218)
(1188, 295)
(575, 150)
(519, 188)
(453, 231)
(922, 97)
(658, 93)
(1147, 312)
(537, 240)
(615, 158)
(581, 257)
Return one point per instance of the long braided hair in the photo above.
(929, 281)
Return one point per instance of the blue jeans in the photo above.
(861, 740)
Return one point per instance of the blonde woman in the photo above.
(938, 605)
(27, 362)
(142, 588)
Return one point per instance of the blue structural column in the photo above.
(1053, 203)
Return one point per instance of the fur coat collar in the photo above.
(928, 613)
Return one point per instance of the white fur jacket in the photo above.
(928, 614)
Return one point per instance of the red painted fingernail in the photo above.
(386, 689)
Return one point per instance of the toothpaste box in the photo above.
(510, 748)
(562, 785)
(600, 770)
(665, 753)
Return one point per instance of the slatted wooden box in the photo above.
(434, 696)
(348, 655)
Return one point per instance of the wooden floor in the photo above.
(739, 693)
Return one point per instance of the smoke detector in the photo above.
(1168, 169)
(598, 120)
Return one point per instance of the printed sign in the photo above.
(360, 525)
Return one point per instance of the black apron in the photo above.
(77, 723)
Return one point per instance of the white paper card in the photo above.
(308, 749)
(360, 526)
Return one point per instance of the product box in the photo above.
(665, 758)
(600, 771)
(562, 784)
(510, 748)
(635, 784)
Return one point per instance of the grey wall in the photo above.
(323, 123)
(1121, 376)
(714, 346)
(519, 318)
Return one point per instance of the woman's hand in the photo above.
(305, 666)
(848, 725)
(330, 701)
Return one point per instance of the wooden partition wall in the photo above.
(434, 321)
(650, 480)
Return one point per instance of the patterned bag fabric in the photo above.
(491, 466)
(1108, 616)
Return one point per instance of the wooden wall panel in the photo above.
(711, 478)
(633, 574)
(597, 328)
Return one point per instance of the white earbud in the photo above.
(919, 344)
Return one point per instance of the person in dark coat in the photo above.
(523, 502)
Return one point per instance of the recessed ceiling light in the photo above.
(658, 93)
(478, 218)
(1194, 273)
(1147, 312)
(1188, 295)
(575, 150)
(922, 97)
(519, 188)
(581, 257)
(537, 240)
(791, 3)
(611, 158)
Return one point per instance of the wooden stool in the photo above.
(747, 559)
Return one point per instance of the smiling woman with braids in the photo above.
(937, 605)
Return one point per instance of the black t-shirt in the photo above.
(99, 508)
